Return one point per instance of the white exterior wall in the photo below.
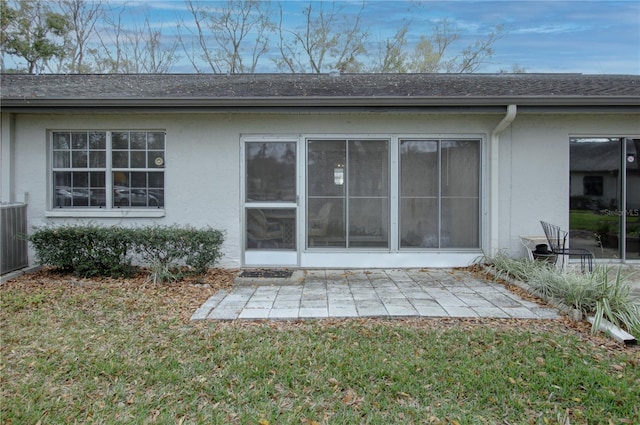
(202, 172)
(535, 169)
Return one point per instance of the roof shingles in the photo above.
(31, 89)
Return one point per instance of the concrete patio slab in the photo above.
(337, 293)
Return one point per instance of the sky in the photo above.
(547, 36)
(575, 36)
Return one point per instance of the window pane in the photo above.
(419, 223)
(156, 180)
(460, 168)
(120, 178)
(62, 178)
(79, 141)
(97, 198)
(97, 159)
(61, 141)
(271, 171)
(368, 168)
(61, 159)
(120, 140)
(440, 193)
(633, 199)
(139, 180)
(271, 229)
(419, 172)
(594, 219)
(120, 159)
(325, 223)
(121, 190)
(97, 179)
(368, 181)
(460, 223)
(80, 179)
(326, 168)
(78, 159)
(368, 222)
(155, 141)
(138, 140)
(156, 159)
(97, 140)
(138, 159)
(156, 197)
(62, 189)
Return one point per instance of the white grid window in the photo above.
(108, 169)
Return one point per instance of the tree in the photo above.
(33, 32)
(231, 38)
(138, 49)
(7, 16)
(329, 40)
(392, 54)
(83, 17)
(433, 53)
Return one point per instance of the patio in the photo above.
(324, 293)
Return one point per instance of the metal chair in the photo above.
(557, 239)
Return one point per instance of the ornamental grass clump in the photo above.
(604, 294)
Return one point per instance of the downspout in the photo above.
(494, 179)
(7, 148)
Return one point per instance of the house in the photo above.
(322, 170)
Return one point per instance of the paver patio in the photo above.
(314, 293)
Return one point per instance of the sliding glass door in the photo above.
(605, 196)
(439, 193)
(348, 193)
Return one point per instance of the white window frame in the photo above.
(108, 210)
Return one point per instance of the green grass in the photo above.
(109, 355)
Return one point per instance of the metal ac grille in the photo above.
(13, 229)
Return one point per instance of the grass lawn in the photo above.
(81, 352)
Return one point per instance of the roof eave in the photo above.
(323, 101)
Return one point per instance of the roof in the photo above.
(181, 90)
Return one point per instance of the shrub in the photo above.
(84, 250)
(165, 249)
(91, 250)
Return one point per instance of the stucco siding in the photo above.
(203, 163)
(538, 187)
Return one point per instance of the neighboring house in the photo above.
(352, 170)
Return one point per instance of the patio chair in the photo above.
(263, 233)
(319, 224)
(557, 239)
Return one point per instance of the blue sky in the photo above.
(540, 36)
(590, 37)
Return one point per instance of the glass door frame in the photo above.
(346, 197)
(258, 257)
(621, 209)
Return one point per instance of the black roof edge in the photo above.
(334, 101)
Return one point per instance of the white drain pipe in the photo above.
(494, 179)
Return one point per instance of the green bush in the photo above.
(84, 250)
(89, 250)
(167, 248)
